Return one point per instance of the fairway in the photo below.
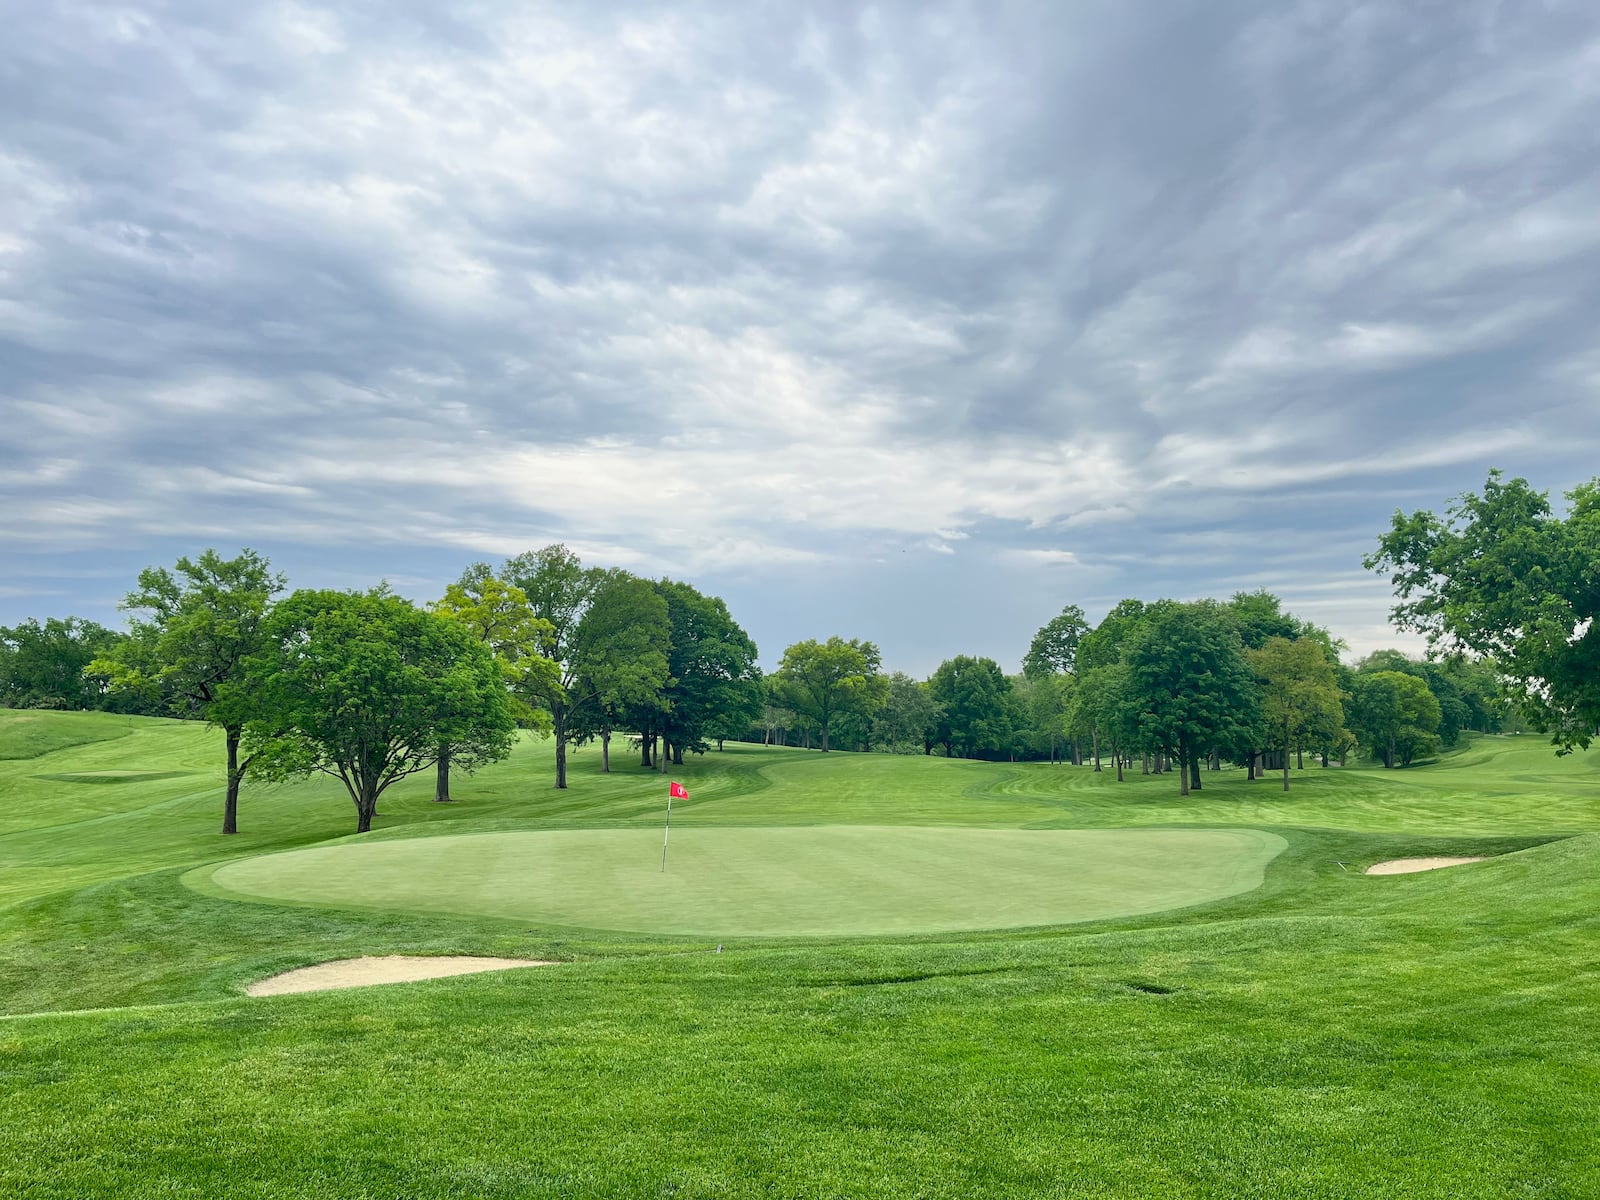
(738, 882)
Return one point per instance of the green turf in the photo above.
(28, 733)
(814, 880)
(1326, 1034)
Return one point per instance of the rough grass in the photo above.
(1328, 1034)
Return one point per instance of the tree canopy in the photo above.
(367, 688)
(1500, 575)
(205, 619)
(821, 680)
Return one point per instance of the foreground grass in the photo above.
(1328, 1034)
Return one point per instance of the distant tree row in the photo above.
(1167, 684)
(370, 688)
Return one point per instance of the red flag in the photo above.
(678, 792)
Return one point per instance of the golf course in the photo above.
(854, 975)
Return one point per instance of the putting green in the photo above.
(733, 882)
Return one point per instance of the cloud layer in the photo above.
(913, 322)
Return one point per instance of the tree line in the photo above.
(369, 687)
(1166, 685)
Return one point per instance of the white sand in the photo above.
(394, 968)
(1406, 866)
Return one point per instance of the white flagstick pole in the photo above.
(665, 833)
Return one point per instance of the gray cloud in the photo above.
(912, 322)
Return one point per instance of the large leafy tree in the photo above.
(498, 614)
(1189, 684)
(1501, 575)
(1395, 716)
(559, 590)
(974, 715)
(619, 656)
(823, 680)
(907, 717)
(1300, 699)
(366, 687)
(1054, 649)
(45, 664)
(202, 621)
(711, 662)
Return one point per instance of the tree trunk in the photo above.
(605, 751)
(646, 740)
(1286, 754)
(677, 755)
(1183, 770)
(441, 787)
(1116, 753)
(664, 754)
(1194, 772)
(558, 716)
(1144, 763)
(1299, 758)
(825, 737)
(1324, 760)
(230, 805)
(366, 806)
(1077, 753)
(1094, 732)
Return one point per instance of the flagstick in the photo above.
(665, 833)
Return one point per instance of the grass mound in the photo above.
(32, 733)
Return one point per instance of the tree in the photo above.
(1054, 650)
(46, 664)
(973, 714)
(1299, 695)
(710, 661)
(619, 655)
(1101, 703)
(823, 679)
(907, 716)
(559, 591)
(498, 615)
(206, 619)
(366, 687)
(1395, 716)
(1500, 575)
(1188, 683)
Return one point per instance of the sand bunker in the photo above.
(1406, 866)
(394, 968)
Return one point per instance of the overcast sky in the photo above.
(912, 323)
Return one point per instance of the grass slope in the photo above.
(1327, 1034)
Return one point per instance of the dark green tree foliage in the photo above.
(1259, 617)
(1054, 650)
(46, 664)
(619, 657)
(710, 661)
(906, 721)
(366, 687)
(1394, 715)
(1500, 575)
(1189, 685)
(974, 713)
(827, 680)
(205, 620)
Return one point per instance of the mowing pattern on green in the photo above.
(816, 880)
